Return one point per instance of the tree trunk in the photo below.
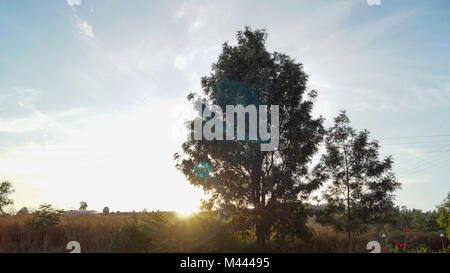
(260, 237)
(349, 238)
(260, 226)
(349, 227)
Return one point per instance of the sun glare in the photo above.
(185, 214)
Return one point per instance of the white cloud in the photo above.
(181, 61)
(85, 28)
(181, 12)
(82, 24)
(73, 3)
(198, 24)
(203, 14)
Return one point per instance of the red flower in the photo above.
(406, 230)
(415, 238)
(399, 246)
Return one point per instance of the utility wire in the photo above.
(424, 166)
(423, 169)
(415, 147)
(411, 153)
(408, 137)
(412, 164)
(415, 142)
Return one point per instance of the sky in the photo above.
(93, 93)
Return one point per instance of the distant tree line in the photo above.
(398, 218)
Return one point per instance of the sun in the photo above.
(185, 213)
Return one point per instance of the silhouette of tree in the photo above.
(6, 189)
(262, 185)
(23, 211)
(44, 217)
(83, 205)
(362, 186)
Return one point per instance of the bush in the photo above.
(423, 249)
(132, 237)
(415, 241)
(44, 217)
(327, 240)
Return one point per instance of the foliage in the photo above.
(444, 215)
(83, 205)
(23, 211)
(44, 217)
(133, 236)
(418, 220)
(166, 232)
(243, 176)
(444, 250)
(423, 249)
(5, 190)
(425, 221)
(362, 186)
(202, 232)
(413, 241)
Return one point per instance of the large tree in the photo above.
(362, 185)
(265, 186)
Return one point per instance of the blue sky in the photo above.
(84, 84)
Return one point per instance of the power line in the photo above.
(410, 153)
(408, 137)
(424, 165)
(416, 142)
(411, 137)
(414, 161)
(416, 147)
(423, 169)
(421, 161)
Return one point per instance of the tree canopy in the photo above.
(83, 205)
(264, 185)
(6, 190)
(362, 186)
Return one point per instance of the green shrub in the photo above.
(132, 237)
(414, 241)
(44, 217)
(423, 249)
(444, 215)
(444, 250)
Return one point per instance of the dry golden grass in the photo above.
(93, 233)
(326, 240)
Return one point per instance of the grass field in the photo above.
(97, 234)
